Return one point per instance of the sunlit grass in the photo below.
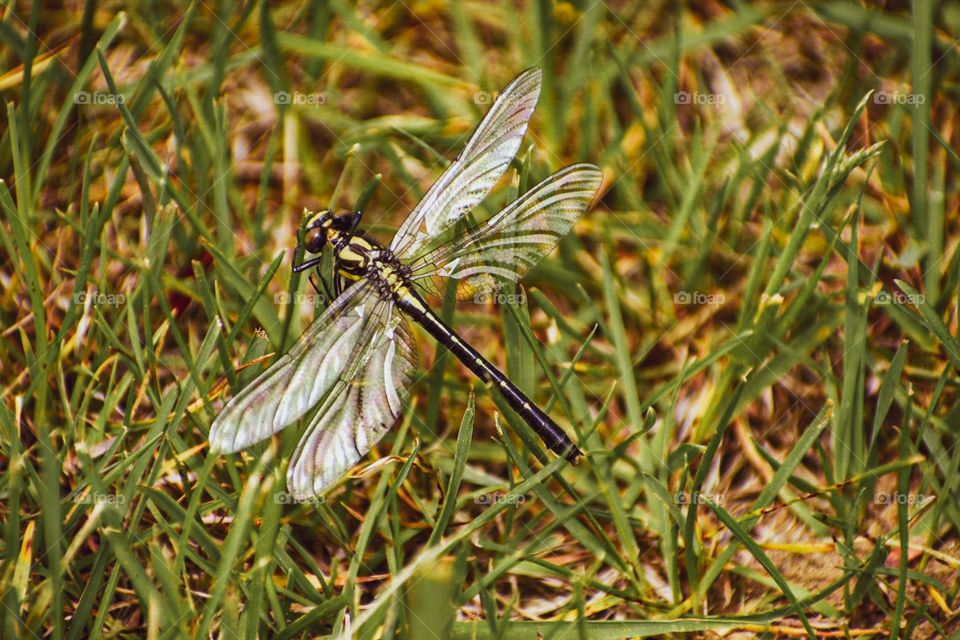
(752, 334)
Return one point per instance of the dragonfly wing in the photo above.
(471, 176)
(508, 244)
(283, 392)
(367, 400)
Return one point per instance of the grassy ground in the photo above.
(753, 333)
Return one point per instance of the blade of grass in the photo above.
(743, 536)
(460, 456)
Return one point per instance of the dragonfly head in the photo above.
(318, 228)
(326, 226)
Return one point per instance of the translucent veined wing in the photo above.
(515, 239)
(478, 167)
(367, 401)
(299, 378)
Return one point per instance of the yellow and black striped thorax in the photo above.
(359, 257)
(354, 255)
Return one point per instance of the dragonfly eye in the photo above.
(315, 239)
(344, 221)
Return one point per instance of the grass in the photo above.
(752, 334)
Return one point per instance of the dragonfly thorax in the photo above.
(354, 254)
(359, 257)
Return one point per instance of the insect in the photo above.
(357, 359)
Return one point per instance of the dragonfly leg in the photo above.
(303, 266)
(355, 219)
(338, 284)
(325, 296)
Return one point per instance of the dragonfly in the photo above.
(358, 358)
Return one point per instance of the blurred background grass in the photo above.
(752, 333)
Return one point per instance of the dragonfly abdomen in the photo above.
(548, 430)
